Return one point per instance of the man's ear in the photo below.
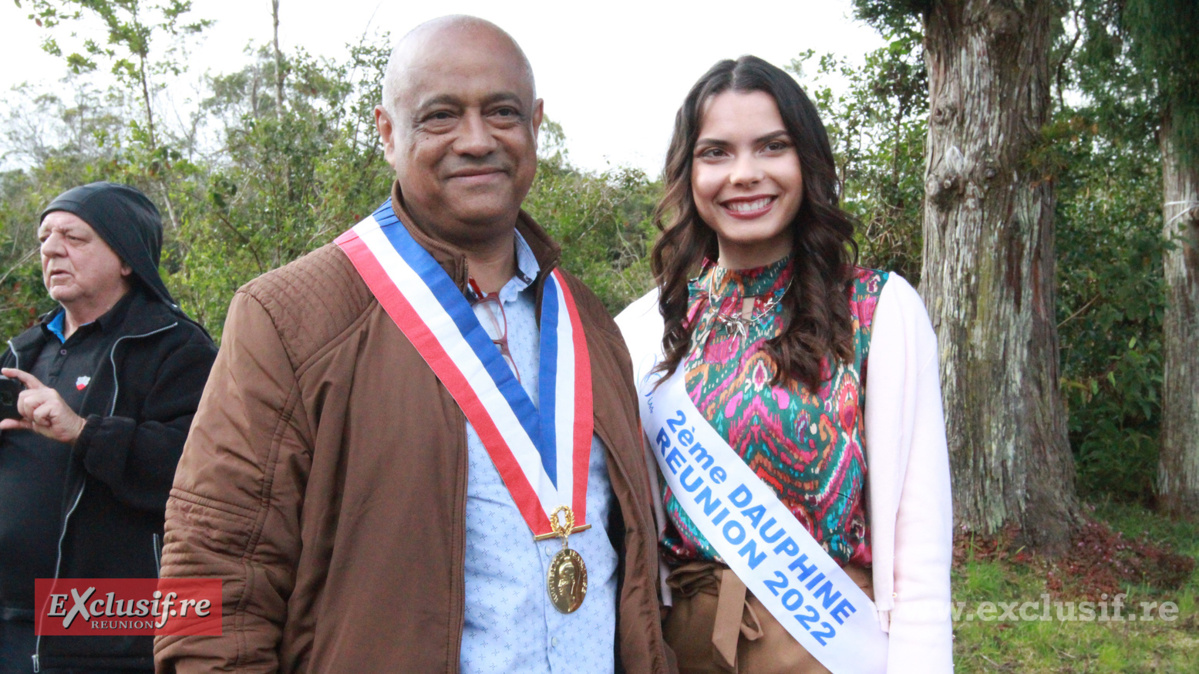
(126, 269)
(538, 112)
(386, 129)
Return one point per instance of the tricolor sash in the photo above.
(743, 519)
(541, 456)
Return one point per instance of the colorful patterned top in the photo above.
(807, 447)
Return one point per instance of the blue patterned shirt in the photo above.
(511, 626)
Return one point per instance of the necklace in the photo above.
(740, 323)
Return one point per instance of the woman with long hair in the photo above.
(806, 524)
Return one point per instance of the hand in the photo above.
(42, 410)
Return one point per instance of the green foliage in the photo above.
(892, 16)
(252, 184)
(1105, 154)
(285, 181)
(601, 221)
(1111, 299)
(131, 27)
(877, 127)
(1164, 46)
(22, 296)
(1121, 97)
(66, 143)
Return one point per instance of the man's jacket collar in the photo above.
(453, 259)
(142, 314)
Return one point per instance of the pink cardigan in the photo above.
(907, 464)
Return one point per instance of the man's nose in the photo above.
(53, 246)
(475, 138)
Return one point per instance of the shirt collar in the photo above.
(56, 324)
(527, 270)
(58, 321)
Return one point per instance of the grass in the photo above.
(988, 575)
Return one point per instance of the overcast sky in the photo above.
(612, 72)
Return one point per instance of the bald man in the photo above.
(413, 435)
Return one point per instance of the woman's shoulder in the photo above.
(864, 293)
(899, 313)
(640, 309)
(869, 282)
(641, 324)
(868, 286)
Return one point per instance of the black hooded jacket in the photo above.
(138, 408)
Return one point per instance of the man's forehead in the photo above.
(433, 98)
(463, 83)
(64, 220)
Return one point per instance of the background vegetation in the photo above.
(281, 156)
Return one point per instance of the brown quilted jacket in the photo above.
(324, 481)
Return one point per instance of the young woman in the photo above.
(806, 510)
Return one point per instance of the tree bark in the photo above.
(988, 277)
(1178, 468)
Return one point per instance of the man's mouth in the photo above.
(476, 172)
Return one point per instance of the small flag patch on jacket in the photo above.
(81, 383)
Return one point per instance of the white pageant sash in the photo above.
(756, 535)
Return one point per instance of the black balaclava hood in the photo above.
(127, 221)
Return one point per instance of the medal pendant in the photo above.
(566, 581)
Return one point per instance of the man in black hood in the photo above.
(112, 378)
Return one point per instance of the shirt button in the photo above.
(554, 642)
(62, 352)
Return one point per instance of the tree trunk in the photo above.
(1178, 469)
(279, 74)
(278, 62)
(988, 277)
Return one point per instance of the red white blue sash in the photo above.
(542, 457)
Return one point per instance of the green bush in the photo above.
(1111, 299)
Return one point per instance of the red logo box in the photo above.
(128, 606)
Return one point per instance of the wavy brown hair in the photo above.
(823, 251)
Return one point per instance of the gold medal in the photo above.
(567, 577)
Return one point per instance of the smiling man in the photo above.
(419, 449)
(112, 377)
